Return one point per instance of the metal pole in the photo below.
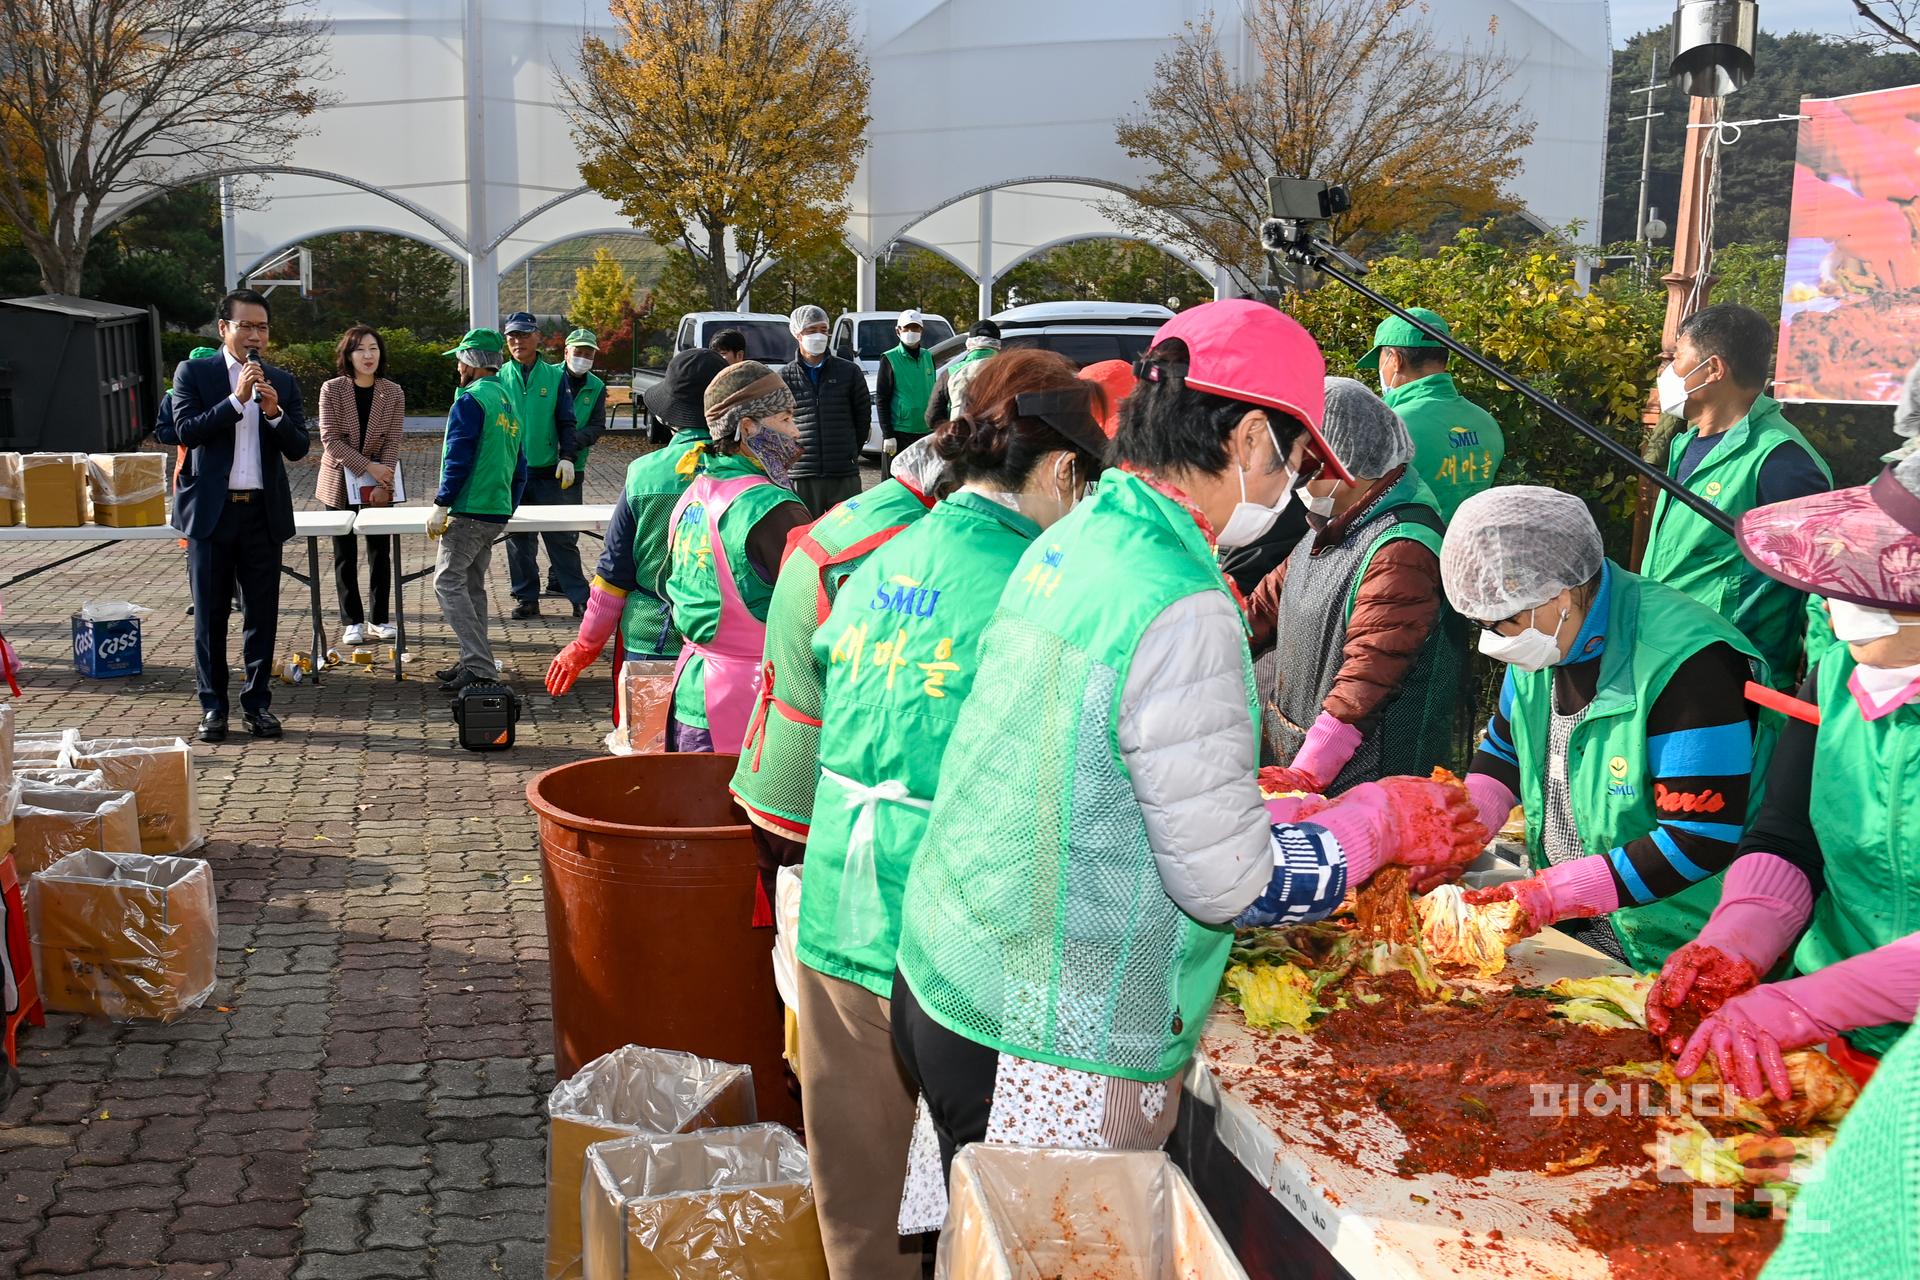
(1646, 142)
(1311, 255)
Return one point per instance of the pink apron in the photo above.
(734, 654)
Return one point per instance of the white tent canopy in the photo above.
(992, 134)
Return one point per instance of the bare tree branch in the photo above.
(1901, 28)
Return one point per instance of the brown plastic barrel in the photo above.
(649, 872)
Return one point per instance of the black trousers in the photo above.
(346, 575)
(242, 552)
(955, 1074)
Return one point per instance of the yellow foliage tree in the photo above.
(1359, 92)
(602, 294)
(720, 124)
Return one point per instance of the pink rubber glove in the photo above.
(596, 628)
(1330, 743)
(1428, 827)
(1577, 889)
(1764, 904)
(1748, 1033)
(1491, 799)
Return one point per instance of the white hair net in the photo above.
(1369, 438)
(920, 466)
(481, 359)
(1515, 547)
(804, 316)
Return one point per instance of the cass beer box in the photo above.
(106, 647)
(124, 935)
(53, 488)
(129, 489)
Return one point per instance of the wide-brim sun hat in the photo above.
(678, 399)
(1861, 545)
(1249, 352)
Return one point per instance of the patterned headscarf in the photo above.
(747, 390)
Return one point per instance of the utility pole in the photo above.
(1647, 116)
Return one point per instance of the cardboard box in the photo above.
(43, 748)
(630, 1092)
(53, 489)
(159, 772)
(721, 1202)
(129, 490)
(51, 822)
(124, 935)
(106, 648)
(10, 490)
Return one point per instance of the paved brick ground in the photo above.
(362, 1096)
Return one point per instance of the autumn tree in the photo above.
(602, 294)
(724, 124)
(103, 98)
(1360, 92)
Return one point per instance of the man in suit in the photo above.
(241, 423)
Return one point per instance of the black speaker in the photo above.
(486, 713)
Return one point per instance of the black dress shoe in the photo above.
(262, 724)
(527, 609)
(579, 611)
(553, 589)
(445, 674)
(458, 681)
(213, 726)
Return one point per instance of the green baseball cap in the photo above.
(479, 340)
(584, 338)
(1395, 332)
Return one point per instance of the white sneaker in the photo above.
(355, 634)
(381, 631)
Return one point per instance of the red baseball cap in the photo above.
(1115, 377)
(1251, 352)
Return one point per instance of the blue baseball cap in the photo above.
(520, 322)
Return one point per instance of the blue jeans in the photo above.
(563, 549)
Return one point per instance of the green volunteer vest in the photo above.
(489, 487)
(1457, 446)
(583, 401)
(655, 482)
(780, 759)
(960, 372)
(1034, 919)
(1820, 637)
(1651, 630)
(1861, 1216)
(900, 650)
(1690, 555)
(534, 394)
(693, 584)
(1862, 772)
(912, 388)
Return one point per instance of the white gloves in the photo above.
(564, 470)
(889, 447)
(437, 522)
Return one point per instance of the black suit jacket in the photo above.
(201, 416)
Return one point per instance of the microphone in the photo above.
(253, 357)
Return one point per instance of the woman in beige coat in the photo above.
(362, 414)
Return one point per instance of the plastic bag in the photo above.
(643, 692)
(1025, 1213)
(724, 1202)
(124, 935)
(111, 611)
(126, 479)
(159, 771)
(66, 779)
(786, 932)
(630, 1092)
(51, 822)
(45, 749)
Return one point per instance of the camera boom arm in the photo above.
(1298, 244)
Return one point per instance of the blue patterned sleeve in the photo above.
(1309, 878)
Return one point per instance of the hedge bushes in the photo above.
(416, 364)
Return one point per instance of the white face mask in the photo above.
(1531, 650)
(580, 366)
(1317, 505)
(813, 343)
(1671, 386)
(1857, 624)
(911, 338)
(1250, 521)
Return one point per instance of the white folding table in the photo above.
(310, 525)
(395, 523)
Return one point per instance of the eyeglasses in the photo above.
(246, 328)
